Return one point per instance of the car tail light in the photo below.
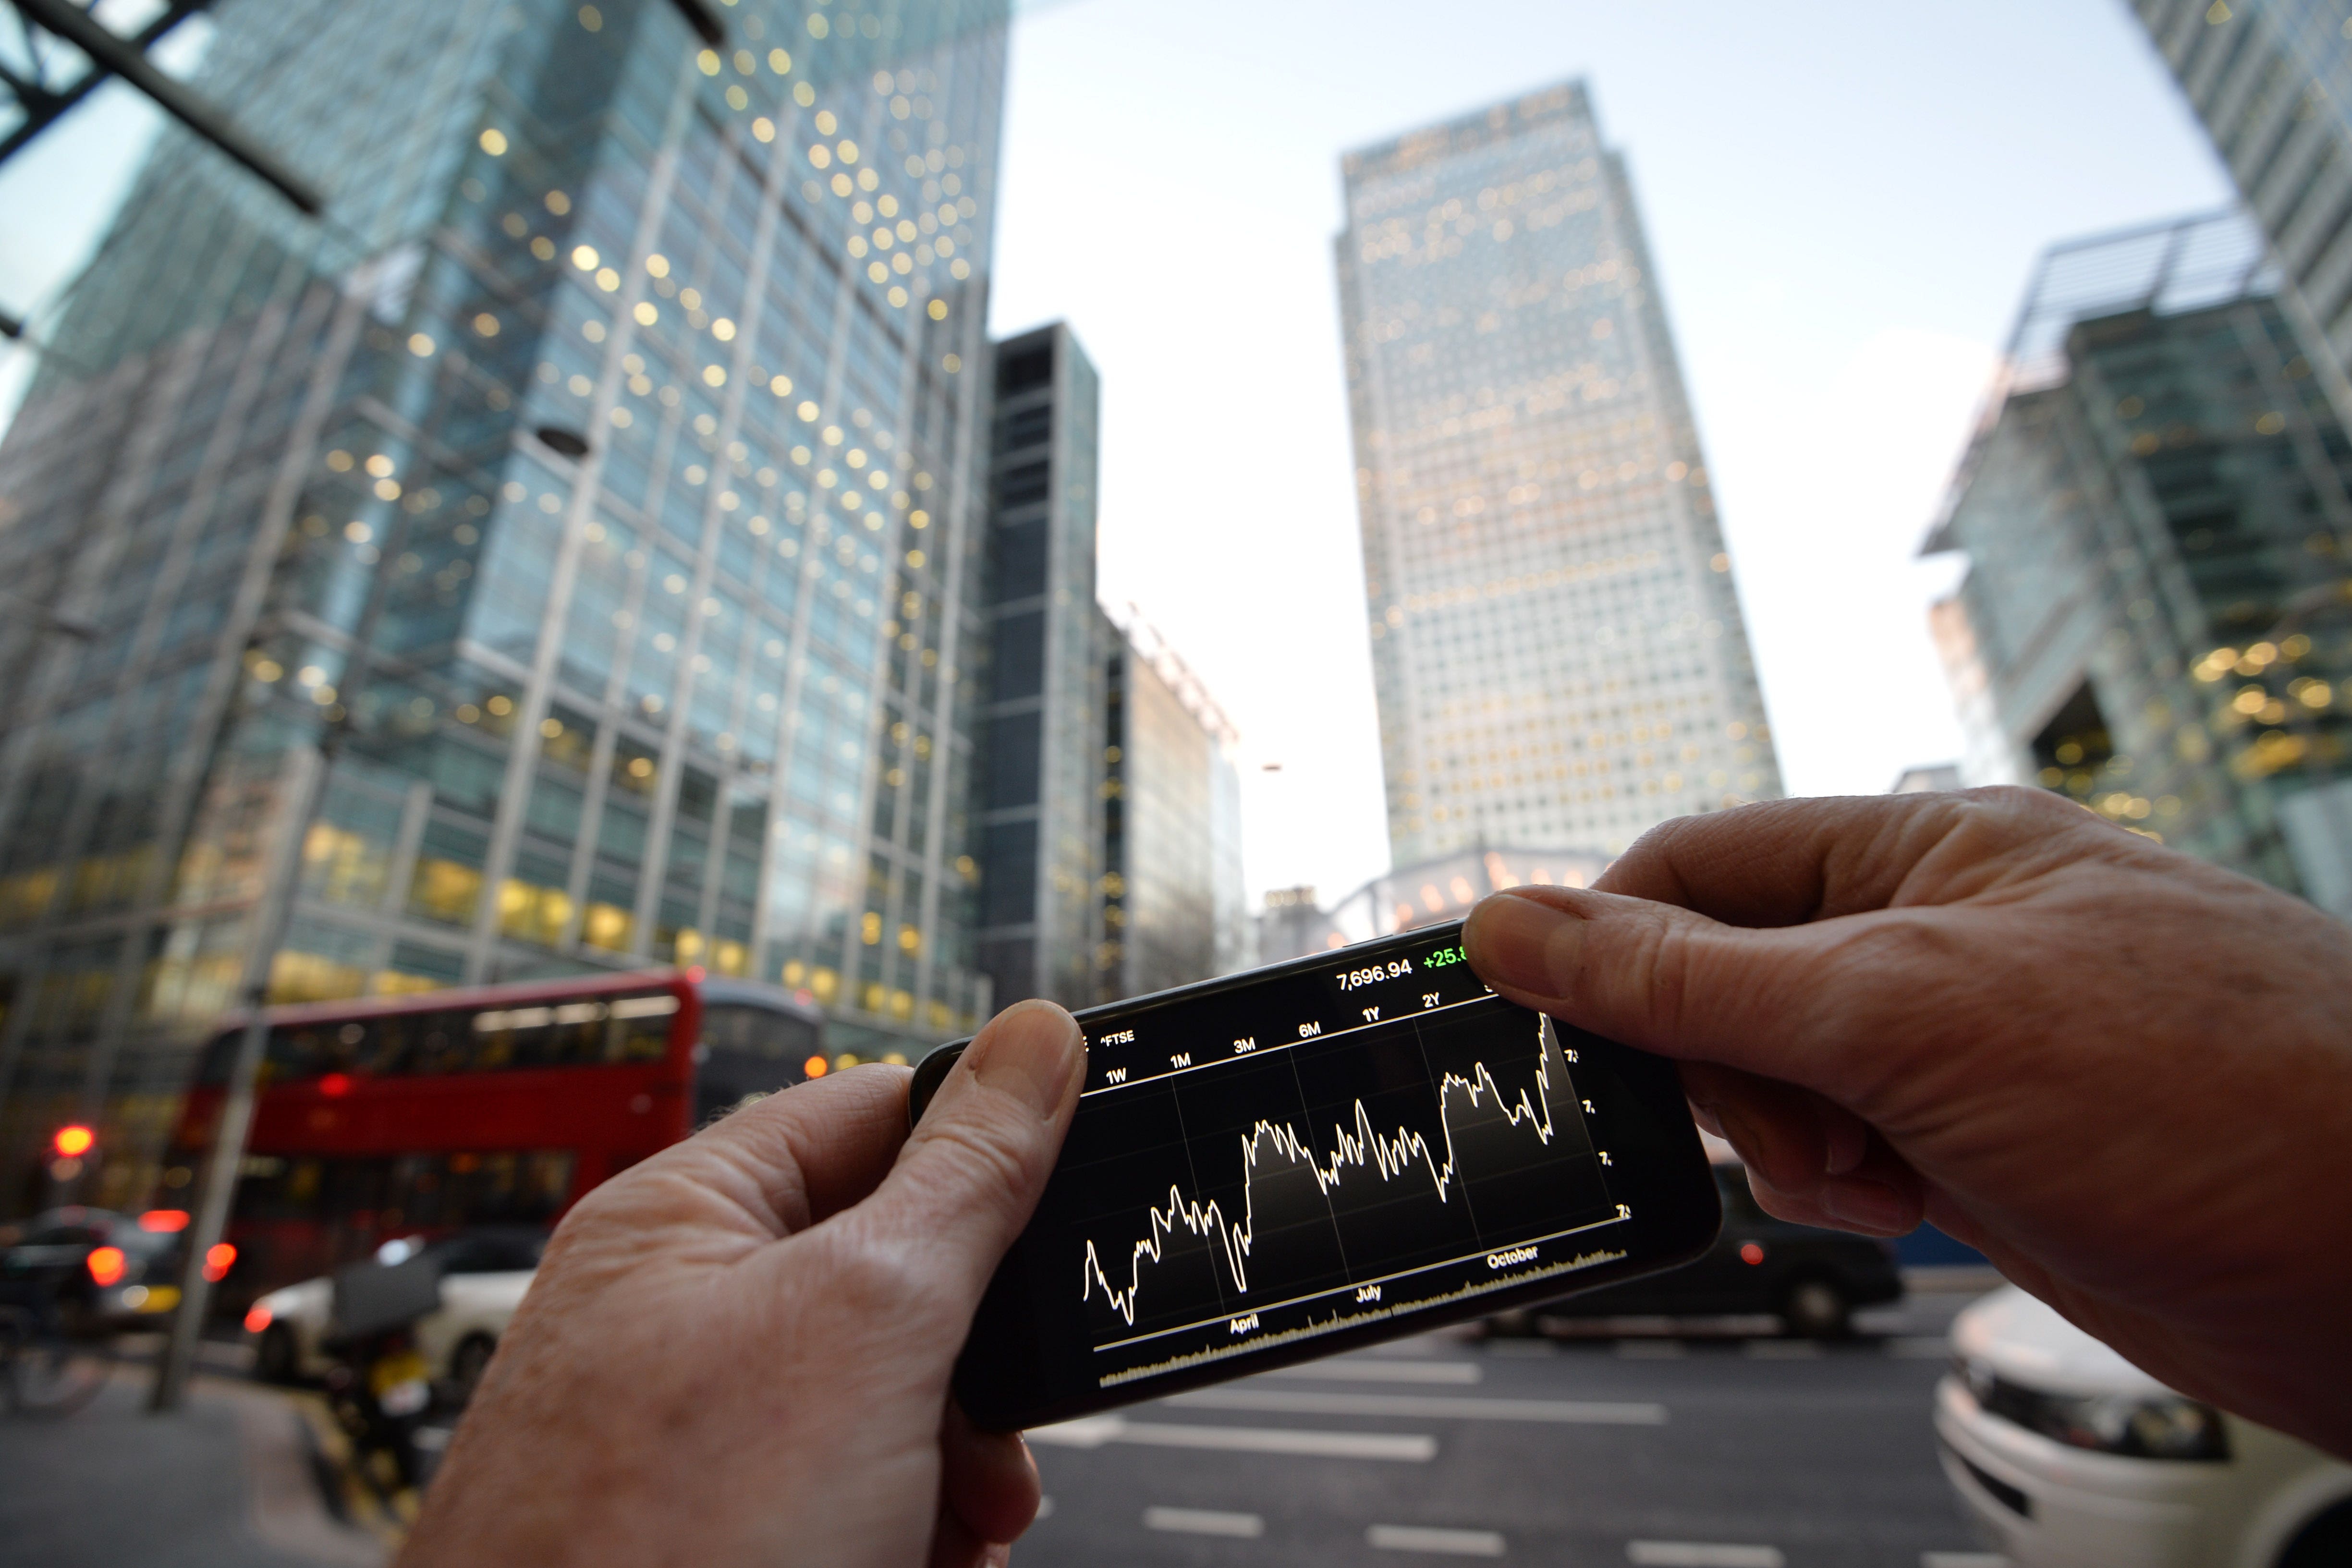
(167, 1221)
(106, 1264)
(258, 1319)
(218, 1261)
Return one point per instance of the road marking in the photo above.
(1783, 1350)
(1204, 1521)
(1525, 1349)
(1425, 1537)
(1652, 1349)
(1701, 1554)
(1434, 1407)
(1093, 1431)
(1919, 1347)
(1346, 1371)
(1962, 1560)
(1044, 1510)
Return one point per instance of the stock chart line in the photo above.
(1389, 1157)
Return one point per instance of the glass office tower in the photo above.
(1558, 649)
(1170, 904)
(603, 470)
(1040, 813)
(2157, 621)
(2272, 80)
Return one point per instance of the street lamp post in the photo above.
(216, 1190)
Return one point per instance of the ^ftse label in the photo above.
(1509, 1257)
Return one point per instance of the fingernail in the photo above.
(1032, 1050)
(1871, 1204)
(1515, 941)
(1847, 1143)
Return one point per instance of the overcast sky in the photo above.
(1844, 199)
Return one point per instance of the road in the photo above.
(1723, 1453)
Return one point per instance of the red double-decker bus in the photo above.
(501, 1106)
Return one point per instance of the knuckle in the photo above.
(876, 1273)
(982, 1157)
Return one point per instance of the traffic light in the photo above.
(67, 1146)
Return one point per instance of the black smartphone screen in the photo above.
(1278, 1166)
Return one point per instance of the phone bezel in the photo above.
(1677, 1214)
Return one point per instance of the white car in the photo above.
(484, 1275)
(2067, 1454)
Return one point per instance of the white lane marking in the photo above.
(1783, 1350)
(1426, 1538)
(1919, 1347)
(1518, 1349)
(1045, 1508)
(1433, 1407)
(1962, 1560)
(1701, 1554)
(1652, 1350)
(1093, 1431)
(1204, 1521)
(1346, 1371)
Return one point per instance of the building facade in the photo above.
(1040, 813)
(2272, 80)
(1558, 649)
(1170, 905)
(2157, 512)
(595, 500)
(1409, 897)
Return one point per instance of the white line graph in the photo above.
(1389, 1157)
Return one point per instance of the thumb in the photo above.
(968, 1178)
(1655, 975)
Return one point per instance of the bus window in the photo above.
(757, 1031)
(426, 1191)
(746, 1050)
(573, 1034)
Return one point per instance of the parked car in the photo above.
(108, 1270)
(484, 1274)
(2065, 1453)
(1812, 1280)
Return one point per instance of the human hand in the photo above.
(739, 1351)
(2123, 1074)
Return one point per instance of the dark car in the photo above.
(103, 1270)
(1812, 1280)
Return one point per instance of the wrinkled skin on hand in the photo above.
(2123, 1074)
(738, 1352)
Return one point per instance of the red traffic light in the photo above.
(73, 1141)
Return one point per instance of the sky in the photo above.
(1844, 201)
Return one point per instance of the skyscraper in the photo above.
(2272, 79)
(1171, 900)
(1558, 653)
(605, 468)
(2155, 622)
(1040, 813)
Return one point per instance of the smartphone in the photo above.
(1319, 1154)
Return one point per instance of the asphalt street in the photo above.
(1722, 1452)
